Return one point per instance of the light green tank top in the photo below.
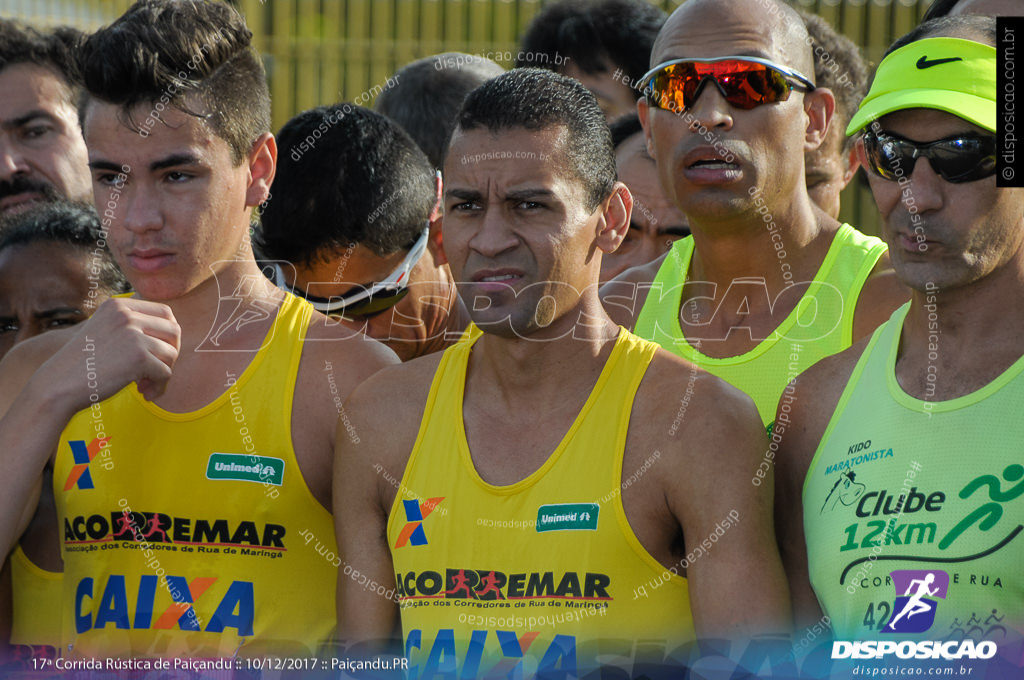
(958, 465)
(820, 325)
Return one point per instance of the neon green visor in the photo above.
(950, 74)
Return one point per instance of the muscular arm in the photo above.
(737, 585)
(804, 413)
(383, 417)
(335, 361)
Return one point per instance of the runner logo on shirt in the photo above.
(915, 605)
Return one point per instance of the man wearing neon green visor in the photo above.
(901, 490)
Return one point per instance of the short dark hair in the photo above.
(537, 99)
(939, 8)
(427, 95)
(163, 52)
(73, 224)
(345, 175)
(967, 26)
(839, 66)
(594, 35)
(624, 127)
(20, 44)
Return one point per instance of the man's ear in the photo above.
(643, 110)
(262, 166)
(614, 220)
(819, 105)
(435, 242)
(859, 154)
(852, 163)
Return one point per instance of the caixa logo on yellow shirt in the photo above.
(415, 512)
(83, 454)
(102, 604)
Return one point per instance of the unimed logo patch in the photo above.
(241, 467)
(567, 517)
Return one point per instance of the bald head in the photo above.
(748, 27)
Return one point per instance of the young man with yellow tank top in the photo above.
(767, 284)
(544, 496)
(901, 500)
(190, 426)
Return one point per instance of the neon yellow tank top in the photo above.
(540, 575)
(958, 465)
(191, 534)
(820, 325)
(36, 602)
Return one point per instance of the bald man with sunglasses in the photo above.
(930, 403)
(767, 284)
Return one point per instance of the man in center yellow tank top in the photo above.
(767, 284)
(572, 495)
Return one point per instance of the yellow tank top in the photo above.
(820, 325)
(36, 598)
(194, 534)
(544, 575)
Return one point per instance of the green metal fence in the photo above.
(323, 51)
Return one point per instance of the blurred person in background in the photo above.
(655, 222)
(354, 225)
(995, 8)
(428, 93)
(42, 153)
(605, 45)
(55, 269)
(839, 66)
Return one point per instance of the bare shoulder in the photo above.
(805, 410)
(385, 411)
(708, 423)
(881, 295)
(356, 355)
(334, 361)
(624, 296)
